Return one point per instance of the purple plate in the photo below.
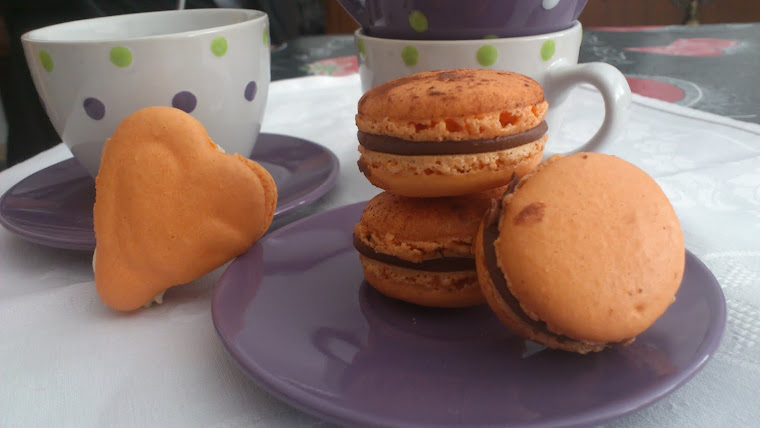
(53, 206)
(297, 317)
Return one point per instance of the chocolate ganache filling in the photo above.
(490, 234)
(440, 264)
(398, 146)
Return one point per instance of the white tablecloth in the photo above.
(67, 360)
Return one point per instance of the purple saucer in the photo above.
(53, 206)
(296, 316)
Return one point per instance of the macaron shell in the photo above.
(476, 127)
(170, 206)
(590, 245)
(448, 175)
(450, 93)
(512, 320)
(270, 192)
(436, 289)
(456, 105)
(416, 229)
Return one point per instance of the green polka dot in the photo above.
(264, 37)
(547, 50)
(360, 47)
(219, 46)
(410, 55)
(121, 56)
(487, 55)
(418, 21)
(491, 36)
(46, 60)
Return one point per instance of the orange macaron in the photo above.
(583, 253)
(170, 206)
(419, 250)
(450, 132)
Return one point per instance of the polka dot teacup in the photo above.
(550, 58)
(211, 63)
(462, 19)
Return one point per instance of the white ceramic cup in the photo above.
(551, 59)
(212, 63)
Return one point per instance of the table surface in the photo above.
(66, 360)
(713, 68)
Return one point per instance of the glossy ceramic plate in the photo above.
(296, 316)
(53, 206)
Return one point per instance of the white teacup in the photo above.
(212, 63)
(551, 59)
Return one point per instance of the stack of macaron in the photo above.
(581, 252)
(441, 144)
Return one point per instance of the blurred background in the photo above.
(31, 132)
(614, 13)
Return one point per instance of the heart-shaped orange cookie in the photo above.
(170, 206)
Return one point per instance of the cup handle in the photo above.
(610, 82)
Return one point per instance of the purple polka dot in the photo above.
(250, 91)
(184, 101)
(94, 108)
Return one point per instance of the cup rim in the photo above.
(575, 26)
(250, 15)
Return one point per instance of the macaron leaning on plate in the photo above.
(450, 132)
(419, 250)
(171, 206)
(584, 253)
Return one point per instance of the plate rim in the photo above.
(312, 404)
(77, 244)
(319, 191)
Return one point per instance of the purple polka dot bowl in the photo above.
(211, 63)
(462, 20)
(551, 59)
